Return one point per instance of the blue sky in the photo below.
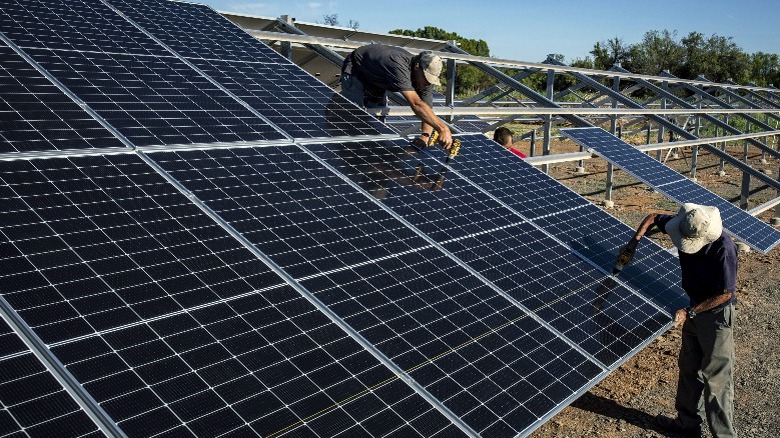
(528, 30)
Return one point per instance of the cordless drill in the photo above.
(624, 258)
(454, 149)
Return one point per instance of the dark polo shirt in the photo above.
(710, 271)
(384, 68)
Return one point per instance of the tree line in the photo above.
(716, 58)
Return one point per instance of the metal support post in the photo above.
(776, 219)
(451, 78)
(695, 149)
(532, 151)
(615, 130)
(744, 196)
(286, 46)
(548, 120)
(661, 128)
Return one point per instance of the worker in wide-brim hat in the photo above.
(708, 267)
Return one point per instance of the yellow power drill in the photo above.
(454, 149)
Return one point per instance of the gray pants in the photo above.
(705, 388)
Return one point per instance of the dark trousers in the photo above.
(705, 387)
(353, 89)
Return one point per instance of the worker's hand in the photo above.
(679, 317)
(445, 138)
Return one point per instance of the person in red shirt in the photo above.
(503, 136)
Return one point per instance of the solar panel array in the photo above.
(196, 270)
(737, 222)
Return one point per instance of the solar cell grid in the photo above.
(36, 116)
(411, 301)
(152, 100)
(737, 222)
(197, 31)
(307, 219)
(569, 218)
(281, 91)
(180, 330)
(32, 401)
(520, 259)
(73, 25)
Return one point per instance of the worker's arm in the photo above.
(643, 227)
(428, 118)
(710, 303)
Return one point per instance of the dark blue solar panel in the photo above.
(197, 31)
(281, 91)
(37, 116)
(458, 337)
(170, 324)
(513, 254)
(73, 25)
(736, 221)
(573, 220)
(150, 96)
(32, 401)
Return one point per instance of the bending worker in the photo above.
(372, 70)
(708, 265)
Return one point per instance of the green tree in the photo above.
(606, 54)
(469, 79)
(658, 51)
(765, 68)
(718, 58)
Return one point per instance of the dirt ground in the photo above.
(625, 403)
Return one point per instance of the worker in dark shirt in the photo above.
(708, 266)
(370, 71)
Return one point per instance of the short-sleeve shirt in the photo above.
(710, 271)
(384, 68)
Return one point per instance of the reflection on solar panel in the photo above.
(37, 116)
(149, 95)
(514, 255)
(736, 221)
(466, 344)
(32, 402)
(328, 288)
(568, 217)
(169, 323)
(285, 94)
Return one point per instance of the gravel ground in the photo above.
(625, 403)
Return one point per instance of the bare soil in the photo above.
(625, 403)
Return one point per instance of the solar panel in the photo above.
(736, 221)
(481, 355)
(283, 92)
(519, 258)
(170, 324)
(321, 288)
(569, 218)
(37, 116)
(149, 95)
(32, 401)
